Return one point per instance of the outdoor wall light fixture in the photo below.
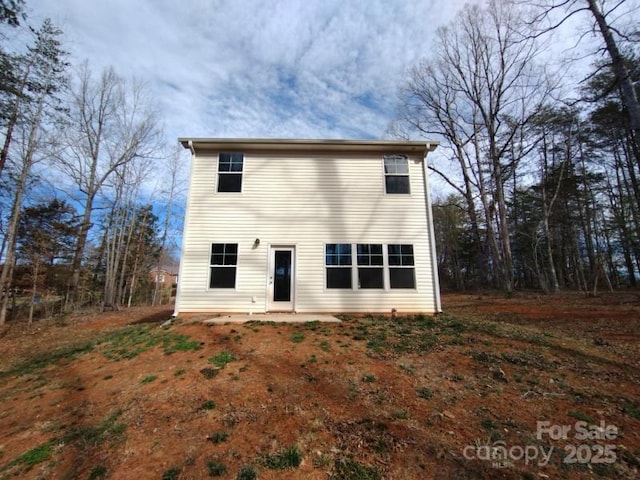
(257, 242)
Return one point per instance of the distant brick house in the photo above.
(165, 280)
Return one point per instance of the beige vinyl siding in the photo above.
(305, 202)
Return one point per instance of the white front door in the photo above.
(281, 279)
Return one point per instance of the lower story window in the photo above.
(338, 265)
(223, 265)
(370, 266)
(401, 266)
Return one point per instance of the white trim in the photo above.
(176, 306)
(270, 303)
(384, 176)
(354, 275)
(432, 238)
(218, 172)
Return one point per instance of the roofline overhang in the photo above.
(271, 145)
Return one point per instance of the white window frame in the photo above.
(223, 265)
(396, 174)
(402, 266)
(327, 267)
(230, 172)
(386, 267)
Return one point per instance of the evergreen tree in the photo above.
(42, 78)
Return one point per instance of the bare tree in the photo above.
(478, 91)
(174, 184)
(602, 14)
(110, 123)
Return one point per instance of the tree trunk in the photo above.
(618, 66)
(76, 264)
(6, 275)
(34, 289)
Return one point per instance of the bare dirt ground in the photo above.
(525, 387)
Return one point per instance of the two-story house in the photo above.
(308, 226)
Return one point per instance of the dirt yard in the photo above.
(526, 387)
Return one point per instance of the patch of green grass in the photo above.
(353, 390)
(218, 437)
(180, 372)
(632, 409)
(48, 358)
(216, 469)
(349, 469)
(34, 456)
(173, 342)
(133, 340)
(488, 424)
(297, 337)
(148, 379)
(453, 325)
(209, 372)
(533, 359)
(324, 346)
(577, 414)
(313, 326)
(408, 368)
(369, 378)
(378, 342)
(221, 359)
(90, 437)
(208, 405)
(247, 473)
(322, 460)
(484, 357)
(171, 474)
(425, 393)
(98, 473)
(425, 322)
(399, 415)
(290, 457)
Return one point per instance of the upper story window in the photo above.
(396, 174)
(223, 264)
(230, 172)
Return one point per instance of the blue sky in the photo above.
(247, 68)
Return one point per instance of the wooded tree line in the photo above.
(77, 217)
(545, 183)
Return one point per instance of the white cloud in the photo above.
(249, 68)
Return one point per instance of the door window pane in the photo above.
(282, 276)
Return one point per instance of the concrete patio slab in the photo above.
(271, 317)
